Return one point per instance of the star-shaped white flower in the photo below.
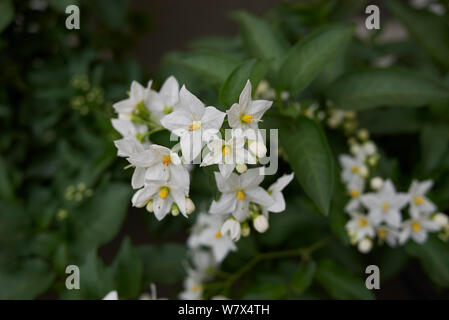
(247, 112)
(138, 97)
(129, 146)
(359, 227)
(388, 235)
(193, 289)
(417, 229)
(227, 154)
(355, 189)
(237, 193)
(163, 102)
(275, 192)
(159, 163)
(207, 232)
(190, 121)
(353, 168)
(128, 129)
(162, 194)
(385, 205)
(419, 203)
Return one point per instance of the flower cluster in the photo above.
(376, 209)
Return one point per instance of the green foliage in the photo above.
(303, 276)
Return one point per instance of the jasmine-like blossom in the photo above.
(163, 102)
(129, 129)
(275, 192)
(129, 146)
(237, 193)
(247, 112)
(232, 228)
(419, 203)
(355, 189)
(353, 168)
(190, 120)
(417, 228)
(193, 289)
(135, 104)
(385, 205)
(387, 234)
(360, 226)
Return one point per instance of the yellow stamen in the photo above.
(240, 195)
(163, 193)
(218, 234)
(226, 151)
(354, 193)
(416, 226)
(385, 206)
(354, 169)
(166, 160)
(362, 222)
(382, 233)
(247, 118)
(418, 200)
(195, 288)
(195, 126)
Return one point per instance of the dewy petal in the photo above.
(251, 178)
(179, 119)
(212, 118)
(189, 101)
(137, 91)
(259, 195)
(245, 95)
(226, 204)
(138, 178)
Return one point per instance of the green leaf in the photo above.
(61, 5)
(385, 87)
(429, 29)
(434, 143)
(99, 219)
(163, 263)
(128, 271)
(31, 279)
(303, 276)
(434, 257)
(394, 120)
(309, 154)
(232, 87)
(341, 283)
(210, 65)
(267, 287)
(261, 39)
(6, 14)
(311, 55)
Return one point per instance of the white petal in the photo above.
(180, 199)
(282, 182)
(138, 178)
(251, 178)
(241, 210)
(245, 95)
(212, 118)
(177, 120)
(234, 115)
(158, 171)
(259, 195)
(161, 207)
(189, 101)
(226, 204)
(257, 108)
(170, 91)
(137, 91)
(278, 202)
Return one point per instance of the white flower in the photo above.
(163, 102)
(203, 264)
(365, 245)
(441, 219)
(360, 226)
(113, 295)
(193, 289)
(227, 154)
(128, 146)
(247, 112)
(419, 203)
(377, 183)
(369, 148)
(417, 229)
(261, 223)
(238, 191)
(388, 235)
(232, 228)
(275, 192)
(352, 167)
(138, 97)
(241, 167)
(189, 120)
(207, 232)
(152, 295)
(257, 148)
(355, 189)
(159, 163)
(163, 194)
(190, 206)
(127, 128)
(385, 205)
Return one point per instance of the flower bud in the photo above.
(363, 134)
(241, 167)
(190, 206)
(364, 172)
(370, 148)
(377, 183)
(365, 245)
(257, 148)
(174, 210)
(441, 219)
(231, 227)
(246, 230)
(260, 223)
(355, 149)
(149, 206)
(373, 160)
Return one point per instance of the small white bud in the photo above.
(370, 148)
(441, 219)
(285, 95)
(174, 210)
(363, 134)
(365, 245)
(231, 227)
(246, 230)
(190, 206)
(364, 172)
(373, 160)
(260, 223)
(377, 183)
(241, 167)
(149, 206)
(355, 149)
(257, 148)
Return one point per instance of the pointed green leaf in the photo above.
(303, 276)
(434, 143)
